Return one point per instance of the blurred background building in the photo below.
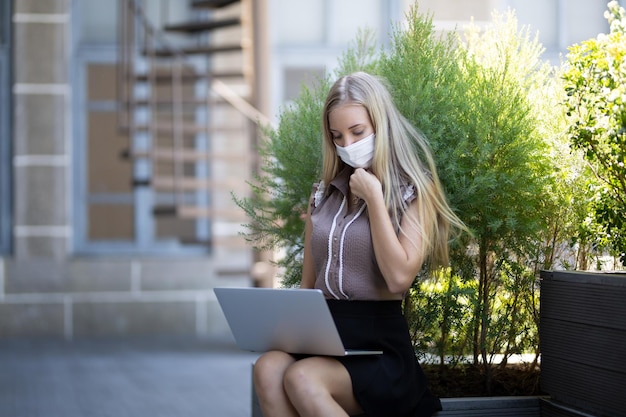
(127, 126)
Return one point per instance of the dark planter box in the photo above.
(472, 407)
(583, 341)
(468, 407)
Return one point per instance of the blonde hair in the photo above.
(401, 155)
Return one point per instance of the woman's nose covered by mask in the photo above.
(359, 154)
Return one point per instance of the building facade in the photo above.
(126, 128)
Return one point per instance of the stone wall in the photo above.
(114, 297)
(46, 290)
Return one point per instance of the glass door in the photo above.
(114, 202)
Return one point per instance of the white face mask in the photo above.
(359, 154)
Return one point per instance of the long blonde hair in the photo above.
(401, 155)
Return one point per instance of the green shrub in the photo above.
(489, 106)
(596, 110)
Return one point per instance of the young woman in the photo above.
(378, 213)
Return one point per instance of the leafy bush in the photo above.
(290, 161)
(489, 106)
(596, 110)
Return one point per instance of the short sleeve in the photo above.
(408, 194)
(318, 193)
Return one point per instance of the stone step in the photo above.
(201, 26)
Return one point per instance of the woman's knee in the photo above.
(269, 370)
(319, 385)
(299, 380)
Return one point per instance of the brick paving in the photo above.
(124, 377)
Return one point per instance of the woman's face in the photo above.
(348, 124)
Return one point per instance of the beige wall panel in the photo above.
(173, 228)
(41, 6)
(107, 170)
(31, 320)
(98, 275)
(136, 318)
(38, 47)
(101, 82)
(80, 275)
(36, 275)
(111, 222)
(40, 196)
(178, 274)
(39, 122)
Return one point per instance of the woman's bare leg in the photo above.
(320, 386)
(269, 373)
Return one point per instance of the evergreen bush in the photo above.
(596, 109)
(489, 106)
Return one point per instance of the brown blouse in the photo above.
(341, 243)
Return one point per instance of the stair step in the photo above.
(169, 77)
(187, 77)
(202, 25)
(168, 104)
(185, 155)
(221, 241)
(212, 4)
(194, 184)
(185, 128)
(241, 89)
(208, 50)
(196, 212)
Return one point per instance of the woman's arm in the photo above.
(399, 258)
(308, 269)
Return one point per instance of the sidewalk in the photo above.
(126, 377)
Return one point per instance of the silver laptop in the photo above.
(291, 320)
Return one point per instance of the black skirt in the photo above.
(391, 384)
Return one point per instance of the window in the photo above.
(113, 212)
(5, 127)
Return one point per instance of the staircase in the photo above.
(186, 102)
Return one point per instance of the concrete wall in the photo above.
(46, 290)
(41, 94)
(114, 297)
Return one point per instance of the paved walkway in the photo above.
(130, 377)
